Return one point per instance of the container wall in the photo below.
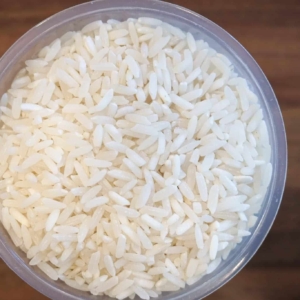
(76, 18)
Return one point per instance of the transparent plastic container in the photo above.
(75, 18)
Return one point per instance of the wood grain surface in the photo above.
(270, 31)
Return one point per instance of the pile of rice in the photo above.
(133, 159)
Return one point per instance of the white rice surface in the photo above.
(133, 159)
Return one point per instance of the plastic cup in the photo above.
(75, 18)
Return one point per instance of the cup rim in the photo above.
(29, 275)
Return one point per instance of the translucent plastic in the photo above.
(78, 16)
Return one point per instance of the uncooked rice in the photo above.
(133, 159)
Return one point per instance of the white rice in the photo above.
(133, 159)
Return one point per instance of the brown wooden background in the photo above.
(270, 30)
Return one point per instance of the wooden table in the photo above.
(270, 30)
